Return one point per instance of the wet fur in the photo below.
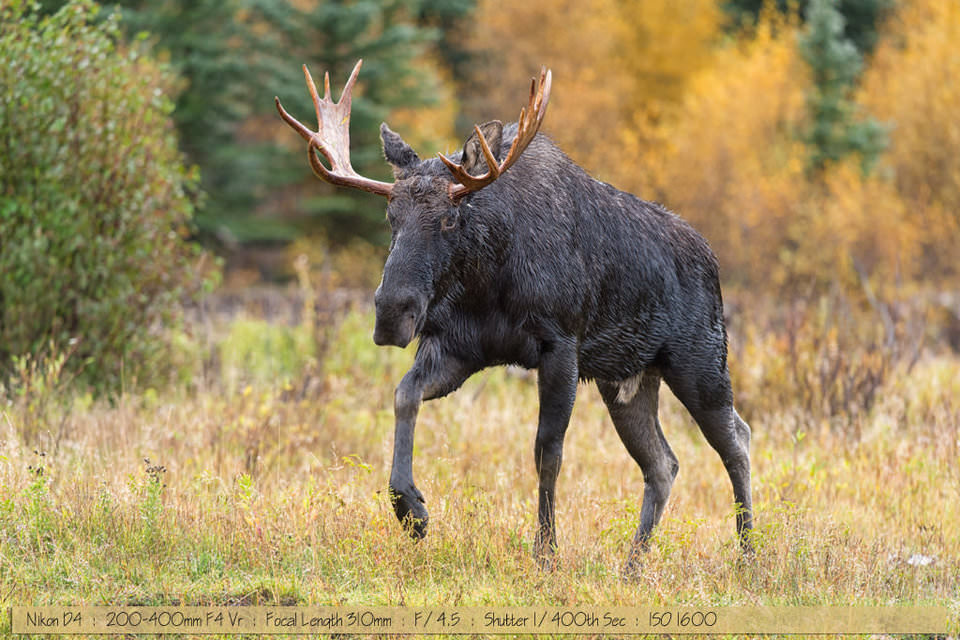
(548, 268)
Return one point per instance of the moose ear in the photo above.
(398, 153)
(473, 161)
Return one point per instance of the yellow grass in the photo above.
(277, 494)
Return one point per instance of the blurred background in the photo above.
(143, 166)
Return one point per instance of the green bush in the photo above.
(95, 202)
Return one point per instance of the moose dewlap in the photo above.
(509, 253)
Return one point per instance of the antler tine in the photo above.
(312, 87)
(533, 113)
(531, 116)
(332, 137)
(295, 124)
(348, 88)
(546, 81)
(492, 164)
(346, 96)
(318, 169)
(477, 182)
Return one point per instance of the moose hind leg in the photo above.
(635, 418)
(709, 399)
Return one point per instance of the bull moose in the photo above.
(507, 252)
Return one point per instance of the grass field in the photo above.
(265, 483)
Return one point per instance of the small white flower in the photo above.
(920, 560)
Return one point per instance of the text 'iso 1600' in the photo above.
(682, 620)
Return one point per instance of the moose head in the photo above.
(425, 210)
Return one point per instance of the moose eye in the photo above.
(448, 223)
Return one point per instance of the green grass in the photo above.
(276, 494)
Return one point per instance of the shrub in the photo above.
(825, 362)
(94, 198)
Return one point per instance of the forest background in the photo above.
(175, 284)
(811, 143)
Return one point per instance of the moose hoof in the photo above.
(631, 572)
(546, 562)
(747, 555)
(410, 512)
(632, 569)
(545, 554)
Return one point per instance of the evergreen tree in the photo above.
(208, 45)
(861, 17)
(236, 55)
(837, 126)
(449, 19)
(332, 36)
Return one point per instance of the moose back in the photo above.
(509, 253)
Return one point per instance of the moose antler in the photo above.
(530, 118)
(332, 137)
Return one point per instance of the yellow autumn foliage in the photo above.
(912, 84)
(654, 98)
(615, 64)
(729, 161)
(857, 232)
(430, 128)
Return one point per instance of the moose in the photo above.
(507, 252)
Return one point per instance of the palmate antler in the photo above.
(530, 118)
(332, 137)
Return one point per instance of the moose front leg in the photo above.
(430, 377)
(557, 384)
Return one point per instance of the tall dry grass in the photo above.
(262, 492)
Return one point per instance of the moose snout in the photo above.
(398, 319)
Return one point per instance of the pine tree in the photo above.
(236, 55)
(861, 17)
(332, 36)
(837, 126)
